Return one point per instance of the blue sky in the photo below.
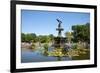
(44, 22)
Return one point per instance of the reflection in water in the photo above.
(44, 54)
(40, 55)
(59, 58)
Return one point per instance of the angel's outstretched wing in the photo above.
(59, 21)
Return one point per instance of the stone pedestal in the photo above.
(59, 42)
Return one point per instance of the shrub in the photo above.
(74, 46)
(33, 46)
(46, 46)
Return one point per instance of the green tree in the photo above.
(46, 49)
(22, 37)
(30, 37)
(33, 37)
(51, 37)
(81, 32)
(42, 39)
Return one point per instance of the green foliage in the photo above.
(51, 37)
(43, 39)
(45, 49)
(81, 32)
(83, 55)
(74, 46)
(28, 37)
(31, 37)
(23, 37)
(33, 46)
(46, 46)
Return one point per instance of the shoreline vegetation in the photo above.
(77, 53)
(77, 43)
